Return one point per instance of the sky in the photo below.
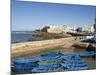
(28, 16)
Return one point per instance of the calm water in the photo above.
(20, 37)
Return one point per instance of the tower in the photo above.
(95, 25)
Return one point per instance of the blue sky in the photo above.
(34, 15)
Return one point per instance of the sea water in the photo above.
(20, 37)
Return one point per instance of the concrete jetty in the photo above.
(36, 47)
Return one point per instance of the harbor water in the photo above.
(20, 37)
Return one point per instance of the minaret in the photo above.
(95, 25)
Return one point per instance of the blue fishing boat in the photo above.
(73, 62)
(90, 40)
(39, 69)
(24, 65)
(50, 62)
(87, 54)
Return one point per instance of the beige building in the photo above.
(61, 29)
(55, 29)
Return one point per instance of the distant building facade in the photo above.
(61, 29)
(67, 28)
(87, 28)
(55, 29)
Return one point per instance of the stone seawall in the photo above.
(35, 47)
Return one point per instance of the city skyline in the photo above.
(34, 15)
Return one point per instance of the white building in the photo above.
(69, 29)
(61, 29)
(87, 28)
(55, 29)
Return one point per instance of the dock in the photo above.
(36, 47)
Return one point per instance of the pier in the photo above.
(36, 47)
